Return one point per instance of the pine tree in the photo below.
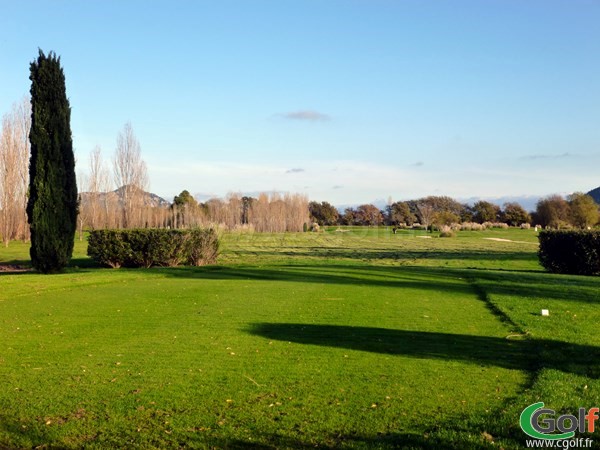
(52, 207)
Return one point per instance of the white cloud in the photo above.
(548, 156)
(359, 181)
(307, 115)
(320, 180)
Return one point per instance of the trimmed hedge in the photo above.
(572, 252)
(153, 247)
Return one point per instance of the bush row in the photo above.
(464, 226)
(573, 252)
(153, 247)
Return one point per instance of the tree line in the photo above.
(268, 212)
(131, 206)
(577, 210)
(113, 194)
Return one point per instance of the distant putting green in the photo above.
(350, 338)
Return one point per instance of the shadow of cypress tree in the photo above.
(525, 354)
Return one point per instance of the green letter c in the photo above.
(527, 425)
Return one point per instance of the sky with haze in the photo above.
(346, 101)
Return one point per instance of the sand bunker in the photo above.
(508, 240)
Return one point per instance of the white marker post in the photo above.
(545, 312)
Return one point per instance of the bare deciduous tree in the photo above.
(274, 213)
(426, 214)
(130, 176)
(99, 185)
(14, 173)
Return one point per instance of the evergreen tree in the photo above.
(185, 198)
(52, 207)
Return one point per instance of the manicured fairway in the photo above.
(345, 339)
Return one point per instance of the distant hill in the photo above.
(595, 194)
(150, 199)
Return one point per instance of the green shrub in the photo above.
(153, 247)
(108, 247)
(202, 247)
(572, 252)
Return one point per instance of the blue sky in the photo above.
(347, 101)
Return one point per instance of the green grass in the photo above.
(355, 339)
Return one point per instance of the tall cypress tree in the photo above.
(52, 206)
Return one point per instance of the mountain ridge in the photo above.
(150, 199)
(595, 194)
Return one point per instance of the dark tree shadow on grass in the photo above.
(521, 354)
(400, 440)
(467, 281)
(357, 253)
(21, 266)
(24, 435)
